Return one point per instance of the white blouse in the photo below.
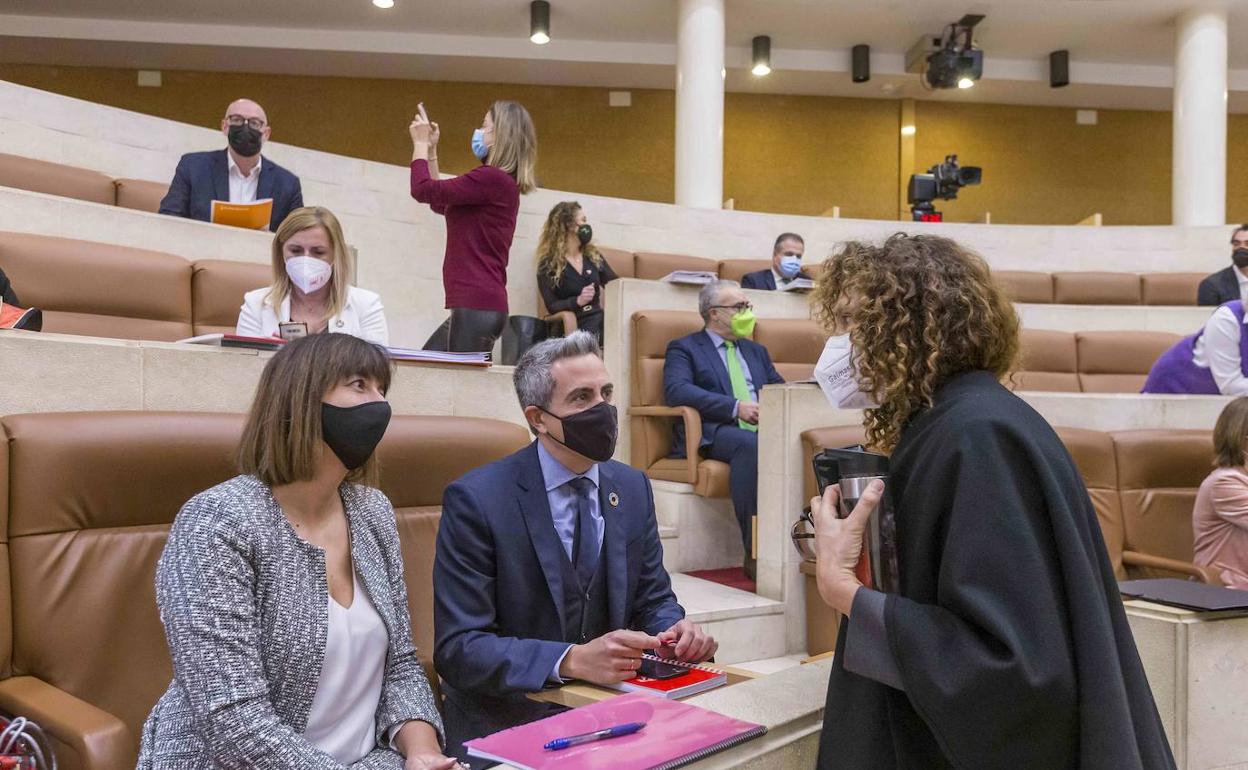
(343, 721)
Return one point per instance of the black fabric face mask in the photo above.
(584, 234)
(354, 432)
(245, 140)
(1240, 258)
(590, 433)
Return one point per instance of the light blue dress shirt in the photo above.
(718, 342)
(562, 499)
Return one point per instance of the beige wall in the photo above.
(782, 154)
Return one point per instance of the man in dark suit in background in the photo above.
(1228, 284)
(237, 174)
(549, 566)
(718, 371)
(786, 265)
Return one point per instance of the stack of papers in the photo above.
(439, 356)
(798, 284)
(692, 277)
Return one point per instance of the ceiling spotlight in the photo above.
(539, 22)
(965, 82)
(762, 56)
(384, 3)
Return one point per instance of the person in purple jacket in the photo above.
(1213, 361)
(480, 209)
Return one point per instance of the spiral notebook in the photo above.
(675, 735)
(696, 679)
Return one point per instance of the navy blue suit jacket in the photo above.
(203, 177)
(764, 279)
(694, 375)
(498, 587)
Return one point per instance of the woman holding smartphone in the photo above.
(480, 209)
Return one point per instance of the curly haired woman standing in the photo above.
(570, 271)
(1006, 644)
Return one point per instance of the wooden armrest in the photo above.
(693, 430)
(1203, 574)
(821, 656)
(101, 740)
(566, 319)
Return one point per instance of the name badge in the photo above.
(292, 331)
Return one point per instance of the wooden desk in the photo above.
(577, 694)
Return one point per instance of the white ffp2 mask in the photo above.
(838, 377)
(308, 273)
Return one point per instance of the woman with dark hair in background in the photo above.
(282, 594)
(1220, 518)
(1006, 644)
(480, 209)
(570, 271)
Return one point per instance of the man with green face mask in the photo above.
(719, 371)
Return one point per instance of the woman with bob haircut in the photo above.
(281, 590)
(312, 267)
(1220, 518)
(1006, 644)
(570, 270)
(480, 209)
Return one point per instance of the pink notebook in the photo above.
(675, 734)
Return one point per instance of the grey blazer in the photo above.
(244, 602)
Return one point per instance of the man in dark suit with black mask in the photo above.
(1228, 284)
(237, 174)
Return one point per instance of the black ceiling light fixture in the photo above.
(539, 22)
(761, 59)
(860, 58)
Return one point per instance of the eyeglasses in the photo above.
(238, 120)
(803, 533)
(737, 307)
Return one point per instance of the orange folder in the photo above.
(250, 216)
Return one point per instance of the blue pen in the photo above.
(628, 728)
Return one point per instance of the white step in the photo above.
(707, 533)
(746, 625)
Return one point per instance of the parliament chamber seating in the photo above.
(43, 176)
(102, 290)
(1099, 288)
(86, 502)
(1142, 484)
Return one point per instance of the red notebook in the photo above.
(696, 679)
(675, 734)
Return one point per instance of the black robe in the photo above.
(1008, 631)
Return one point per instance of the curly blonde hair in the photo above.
(560, 223)
(919, 309)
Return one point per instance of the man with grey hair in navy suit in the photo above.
(549, 566)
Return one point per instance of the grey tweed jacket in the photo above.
(244, 602)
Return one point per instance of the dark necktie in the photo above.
(585, 533)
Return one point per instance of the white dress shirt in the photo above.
(1218, 351)
(343, 719)
(363, 316)
(243, 189)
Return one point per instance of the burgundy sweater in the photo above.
(480, 209)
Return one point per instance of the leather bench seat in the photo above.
(83, 184)
(90, 500)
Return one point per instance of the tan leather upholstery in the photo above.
(1048, 362)
(1093, 453)
(6, 607)
(91, 499)
(1026, 285)
(1096, 288)
(1159, 473)
(652, 266)
(140, 194)
(734, 269)
(55, 179)
(794, 345)
(1118, 362)
(217, 289)
(816, 440)
(1170, 288)
(99, 289)
(620, 260)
